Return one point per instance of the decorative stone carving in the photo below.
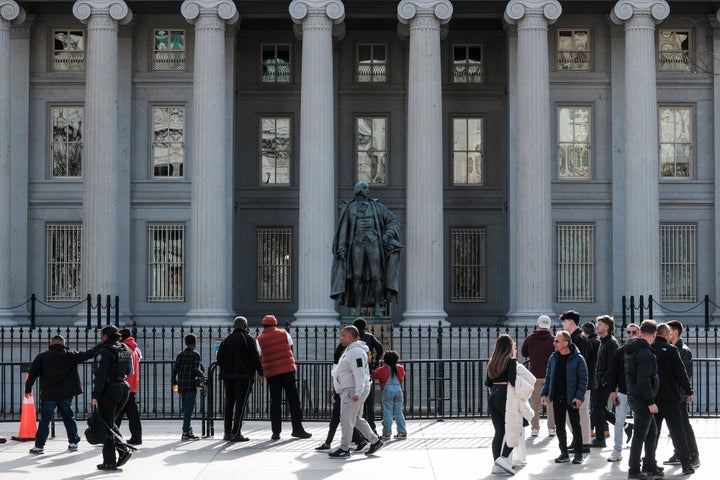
(625, 9)
(116, 9)
(11, 12)
(225, 9)
(517, 9)
(333, 9)
(409, 9)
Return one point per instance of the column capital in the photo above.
(518, 9)
(116, 9)
(225, 9)
(301, 9)
(11, 12)
(624, 10)
(409, 9)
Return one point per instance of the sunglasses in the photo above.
(631, 332)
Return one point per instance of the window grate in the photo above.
(467, 64)
(371, 64)
(68, 51)
(166, 263)
(573, 50)
(274, 260)
(678, 263)
(576, 257)
(168, 51)
(276, 63)
(63, 262)
(674, 50)
(468, 265)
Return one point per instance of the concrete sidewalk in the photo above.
(449, 450)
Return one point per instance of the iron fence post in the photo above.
(650, 306)
(99, 311)
(624, 311)
(32, 311)
(89, 311)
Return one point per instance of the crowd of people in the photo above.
(581, 375)
(586, 379)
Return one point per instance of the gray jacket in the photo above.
(352, 371)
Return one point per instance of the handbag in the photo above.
(96, 432)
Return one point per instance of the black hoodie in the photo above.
(641, 372)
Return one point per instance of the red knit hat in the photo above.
(269, 321)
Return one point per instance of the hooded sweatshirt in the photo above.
(133, 379)
(641, 372)
(351, 372)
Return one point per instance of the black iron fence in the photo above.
(445, 368)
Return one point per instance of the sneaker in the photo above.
(551, 432)
(628, 432)
(339, 453)
(505, 464)
(688, 470)
(107, 466)
(227, 437)
(577, 458)
(134, 441)
(401, 436)
(300, 434)
(496, 470)
(534, 432)
(37, 450)
(323, 447)
(384, 438)
(123, 457)
(695, 462)
(563, 458)
(239, 438)
(189, 436)
(655, 473)
(598, 443)
(275, 436)
(362, 446)
(674, 460)
(375, 447)
(615, 456)
(72, 447)
(637, 476)
(585, 449)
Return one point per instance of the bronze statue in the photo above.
(366, 247)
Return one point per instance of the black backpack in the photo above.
(96, 433)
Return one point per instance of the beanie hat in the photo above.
(544, 321)
(269, 321)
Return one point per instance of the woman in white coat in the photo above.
(502, 375)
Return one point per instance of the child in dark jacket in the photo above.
(391, 376)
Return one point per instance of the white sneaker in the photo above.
(73, 447)
(496, 470)
(615, 456)
(551, 432)
(504, 463)
(535, 432)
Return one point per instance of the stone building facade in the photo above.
(190, 157)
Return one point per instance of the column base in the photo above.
(208, 318)
(7, 318)
(424, 318)
(529, 317)
(316, 318)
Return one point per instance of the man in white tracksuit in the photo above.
(351, 379)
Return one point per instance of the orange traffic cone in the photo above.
(28, 424)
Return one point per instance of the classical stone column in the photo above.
(642, 229)
(715, 24)
(210, 266)
(100, 169)
(10, 12)
(533, 226)
(318, 207)
(424, 224)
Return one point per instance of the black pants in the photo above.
(600, 413)
(111, 401)
(689, 432)
(335, 421)
(561, 409)
(369, 408)
(496, 405)
(237, 392)
(671, 414)
(645, 435)
(278, 384)
(133, 414)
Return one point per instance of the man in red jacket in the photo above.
(278, 363)
(538, 346)
(131, 408)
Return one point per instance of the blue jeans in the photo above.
(392, 406)
(47, 410)
(621, 411)
(187, 403)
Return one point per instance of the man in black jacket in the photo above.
(606, 350)
(59, 383)
(676, 329)
(570, 321)
(239, 360)
(674, 386)
(641, 375)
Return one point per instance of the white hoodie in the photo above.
(352, 371)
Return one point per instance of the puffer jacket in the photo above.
(641, 372)
(576, 373)
(517, 405)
